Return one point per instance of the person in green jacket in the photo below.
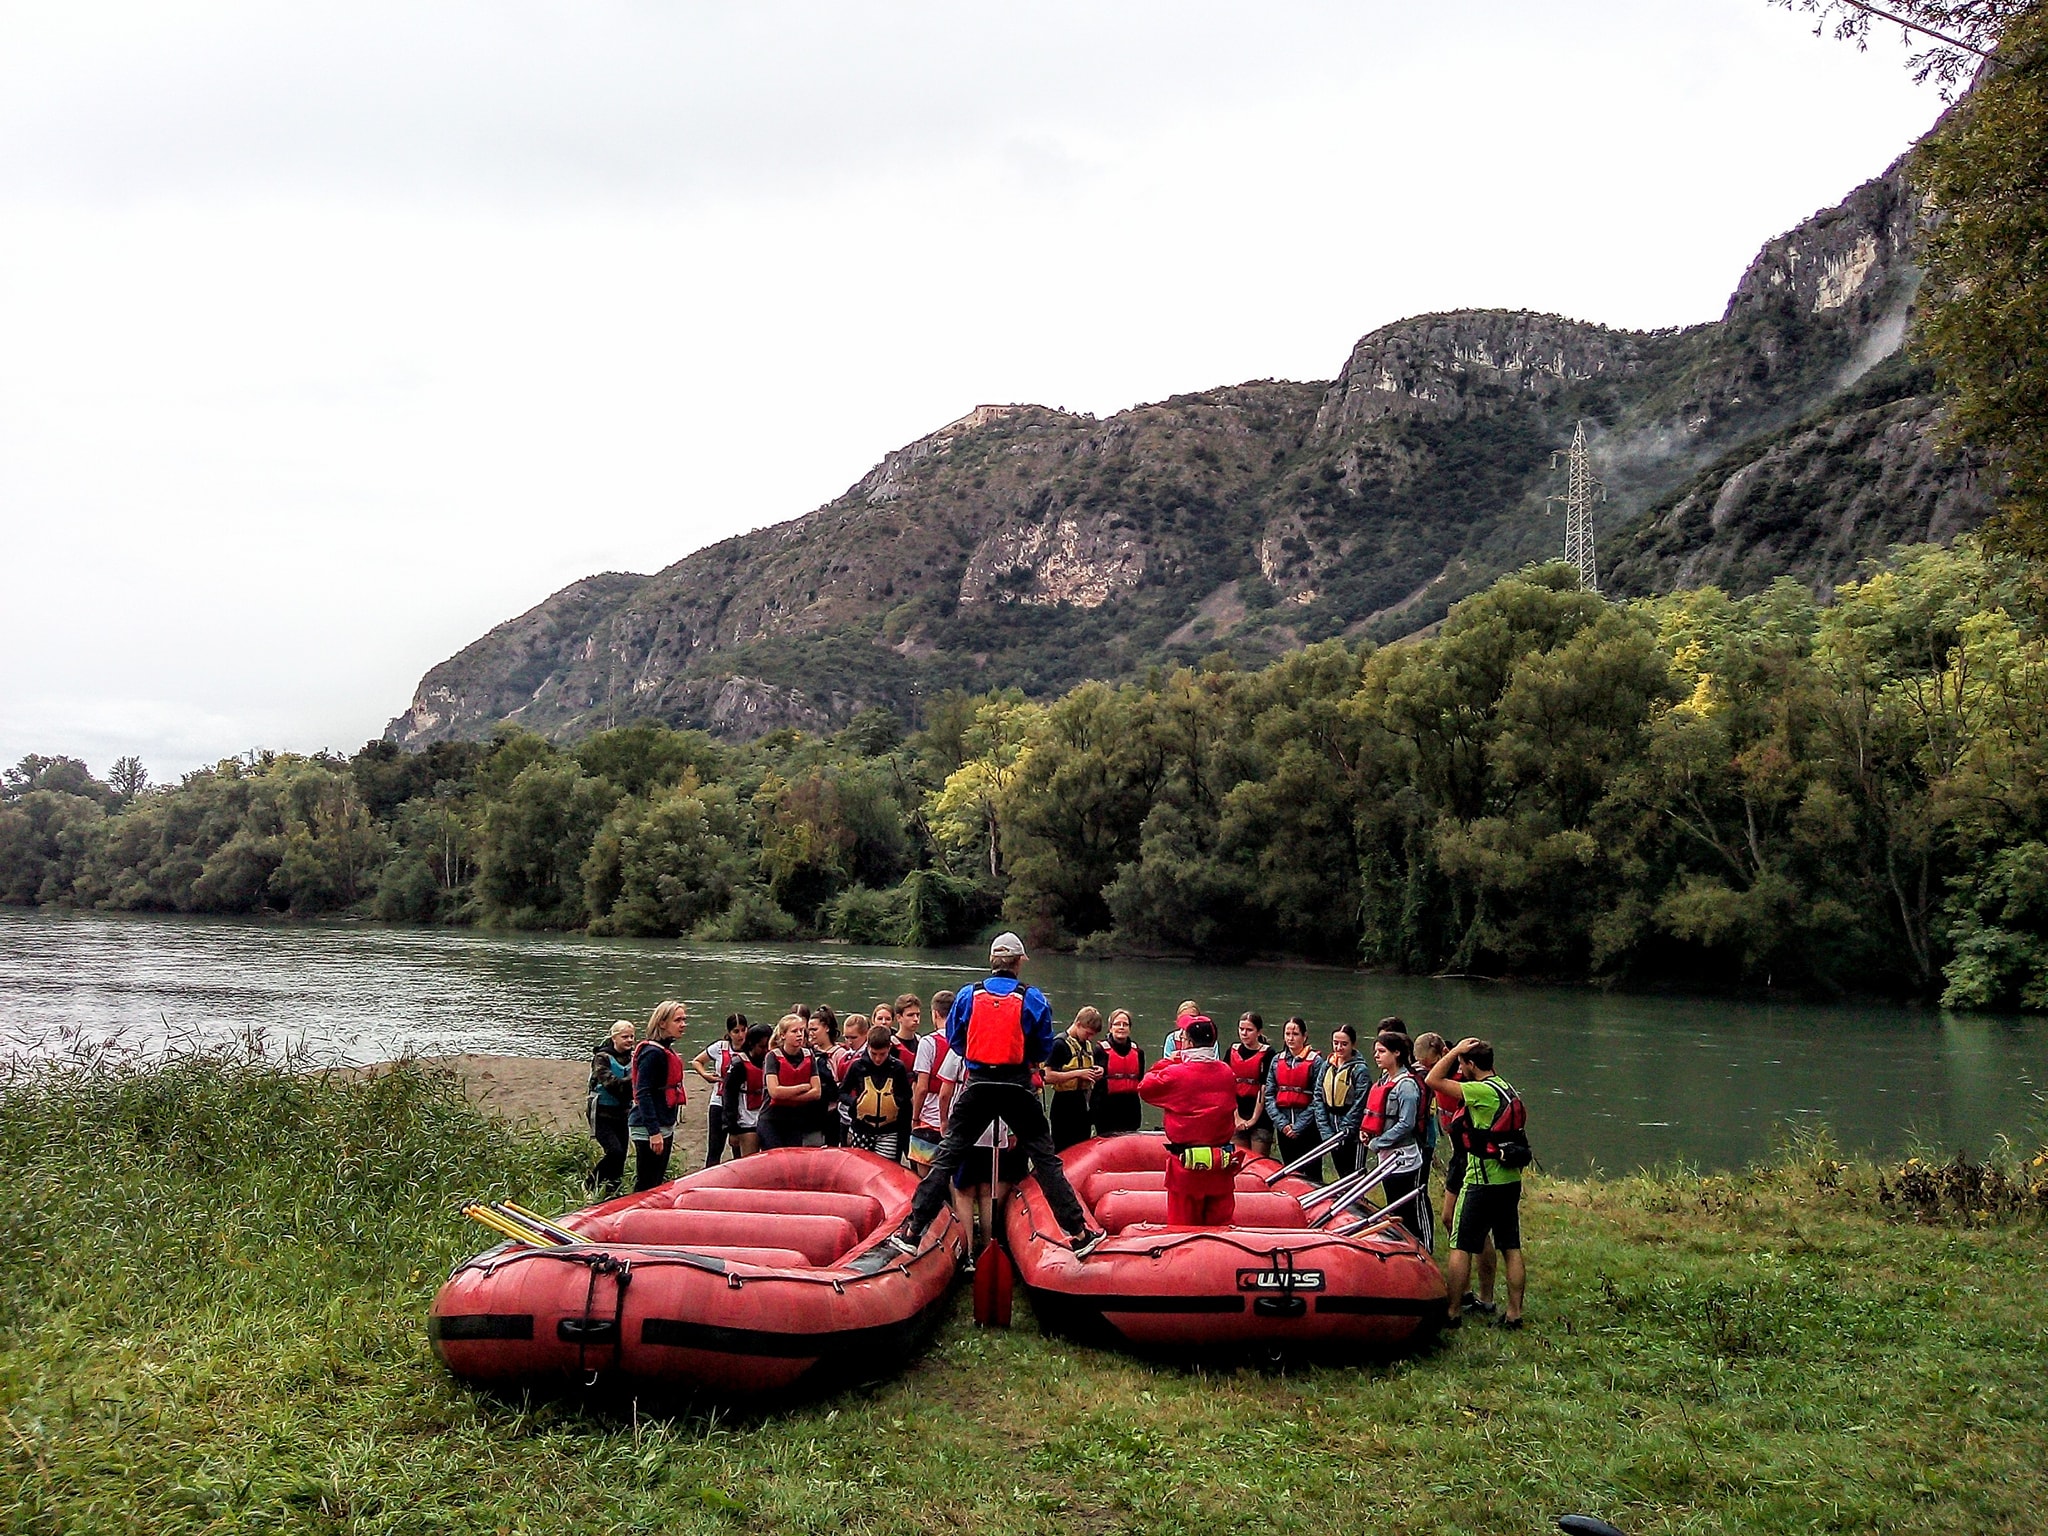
(1489, 1203)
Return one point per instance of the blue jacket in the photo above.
(1038, 1025)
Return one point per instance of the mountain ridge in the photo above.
(1025, 546)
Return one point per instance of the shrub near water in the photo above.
(213, 1297)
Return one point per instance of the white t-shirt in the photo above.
(952, 1070)
(927, 1050)
(720, 1052)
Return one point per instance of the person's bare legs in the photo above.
(1489, 1266)
(1518, 1278)
(1457, 1270)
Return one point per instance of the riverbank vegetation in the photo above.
(1690, 789)
(212, 1319)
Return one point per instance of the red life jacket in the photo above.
(995, 1029)
(1123, 1069)
(1292, 1078)
(908, 1056)
(793, 1074)
(1375, 1119)
(757, 1083)
(1506, 1141)
(1250, 1071)
(673, 1094)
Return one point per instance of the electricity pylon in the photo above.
(1581, 490)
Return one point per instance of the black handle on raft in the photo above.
(1587, 1525)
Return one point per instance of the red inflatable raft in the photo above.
(1268, 1284)
(741, 1280)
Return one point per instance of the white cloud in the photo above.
(330, 336)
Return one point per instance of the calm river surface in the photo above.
(1614, 1082)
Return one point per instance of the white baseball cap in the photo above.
(1004, 945)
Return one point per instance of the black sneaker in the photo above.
(967, 1265)
(1088, 1242)
(904, 1244)
(1454, 1320)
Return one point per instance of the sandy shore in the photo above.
(545, 1092)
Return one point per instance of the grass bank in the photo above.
(211, 1319)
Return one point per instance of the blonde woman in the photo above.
(658, 1096)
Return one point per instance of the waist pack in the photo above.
(1209, 1159)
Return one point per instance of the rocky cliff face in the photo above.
(1031, 547)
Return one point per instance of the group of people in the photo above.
(995, 1086)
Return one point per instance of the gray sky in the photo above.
(331, 336)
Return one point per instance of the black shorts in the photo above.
(974, 1168)
(1489, 1210)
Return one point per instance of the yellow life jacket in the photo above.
(876, 1103)
(1337, 1078)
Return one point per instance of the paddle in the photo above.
(1586, 1525)
(994, 1276)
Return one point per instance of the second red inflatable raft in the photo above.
(1269, 1283)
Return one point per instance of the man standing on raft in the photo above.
(1198, 1092)
(1002, 1029)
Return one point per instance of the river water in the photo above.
(1613, 1081)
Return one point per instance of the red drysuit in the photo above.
(1199, 1095)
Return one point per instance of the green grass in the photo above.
(214, 1284)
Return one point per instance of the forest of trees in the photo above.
(1688, 790)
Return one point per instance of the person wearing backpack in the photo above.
(1491, 1125)
(609, 1100)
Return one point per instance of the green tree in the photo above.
(533, 842)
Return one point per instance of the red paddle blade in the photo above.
(994, 1280)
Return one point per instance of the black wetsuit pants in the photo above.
(650, 1167)
(610, 1134)
(980, 1104)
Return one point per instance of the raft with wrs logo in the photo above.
(755, 1277)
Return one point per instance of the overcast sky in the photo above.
(331, 336)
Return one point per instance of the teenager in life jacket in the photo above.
(1291, 1098)
(1071, 1074)
(1176, 1038)
(928, 1097)
(657, 1096)
(876, 1094)
(746, 1089)
(711, 1064)
(1002, 1029)
(909, 1014)
(1248, 1060)
(1113, 1102)
(794, 1115)
(1393, 1128)
(1198, 1094)
(1490, 1127)
(1340, 1098)
(610, 1100)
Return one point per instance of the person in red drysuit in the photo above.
(1198, 1092)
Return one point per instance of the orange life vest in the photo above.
(1292, 1078)
(1123, 1069)
(995, 1029)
